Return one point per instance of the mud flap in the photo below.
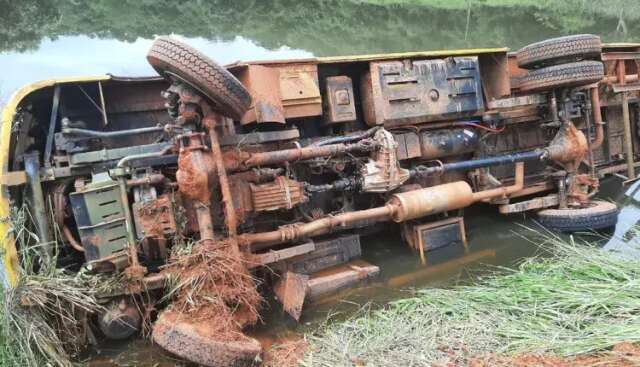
(291, 291)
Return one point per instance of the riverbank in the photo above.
(579, 301)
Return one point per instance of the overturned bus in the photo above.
(248, 180)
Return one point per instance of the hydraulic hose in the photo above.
(346, 139)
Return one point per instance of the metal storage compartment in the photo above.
(403, 92)
(100, 218)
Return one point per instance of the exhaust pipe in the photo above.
(401, 207)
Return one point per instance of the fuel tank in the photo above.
(435, 144)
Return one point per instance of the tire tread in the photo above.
(558, 50)
(229, 95)
(563, 75)
(604, 216)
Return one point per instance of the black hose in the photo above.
(342, 185)
(346, 139)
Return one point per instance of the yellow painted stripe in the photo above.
(10, 263)
(620, 45)
(460, 52)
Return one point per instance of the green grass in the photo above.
(9, 352)
(580, 300)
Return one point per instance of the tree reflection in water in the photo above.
(319, 26)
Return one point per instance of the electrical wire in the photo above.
(482, 127)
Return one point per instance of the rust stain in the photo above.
(216, 300)
(195, 170)
(291, 291)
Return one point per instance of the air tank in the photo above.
(448, 142)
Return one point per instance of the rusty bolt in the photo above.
(434, 95)
(342, 97)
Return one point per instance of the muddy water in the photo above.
(493, 240)
(41, 39)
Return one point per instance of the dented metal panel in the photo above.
(264, 85)
(280, 92)
(403, 92)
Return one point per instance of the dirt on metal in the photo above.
(212, 276)
(215, 298)
(195, 170)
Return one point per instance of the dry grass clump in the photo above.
(44, 316)
(211, 283)
(286, 353)
(579, 300)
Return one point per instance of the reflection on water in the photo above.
(46, 38)
(494, 240)
(626, 237)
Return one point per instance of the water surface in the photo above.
(41, 39)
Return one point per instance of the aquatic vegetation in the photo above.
(579, 300)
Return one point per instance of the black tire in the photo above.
(565, 75)
(559, 50)
(599, 215)
(172, 58)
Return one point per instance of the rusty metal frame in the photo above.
(419, 241)
(622, 88)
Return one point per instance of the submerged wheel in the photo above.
(599, 215)
(194, 343)
(559, 50)
(564, 75)
(173, 59)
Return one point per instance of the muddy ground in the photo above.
(290, 353)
